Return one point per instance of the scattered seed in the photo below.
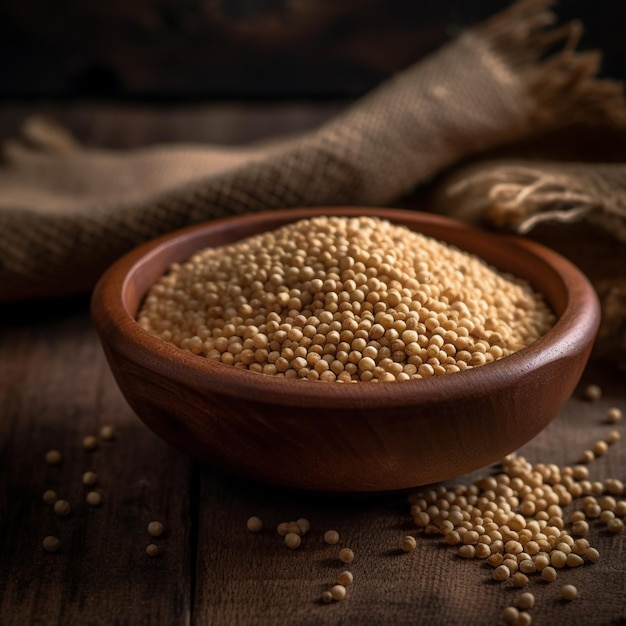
(502, 572)
(345, 578)
(587, 456)
(580, 528)
(327, 597)
(409, 544)
(53, 457)
(155, 529)
(90, 478)
(613, 415)
(592, 392)
(282, 528)
(50, 496)
(107, 433)
(574, 560)
(62, 507)
(569, 592)
(253, 524)
(615, 525)
(331, 537)
(153, 550)
(90, 442)
(338, 592)
(558, 558)
(294, 527)
(304, 525)
(510, 615)
(599, 447)
(614, 486)
(346, 555)
(293, 540)
(94, 498)
(549, 574)
(467, 551)
(51, 543)
(608, 503)
(526, 601)
(613, 437)
(606, 516)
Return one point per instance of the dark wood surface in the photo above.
(56, 388)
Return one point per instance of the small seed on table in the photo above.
(600, 447)
(50, 496)
(592, 392)
(587, 456)
(155, 529)
(93, 498)
(152, 549)
(331, 537)
(345, 578)
(90, 478)
(409, 544)
(338, 592)
(510, 615)
(292, 540)
(62, 507)
(304, 525)
(90, 442)
(327, 597)
(254, 524)
(569, 592)
(107, 433)
(346, 555)
(615, 525)
(53, 457)
(526, 601)
(613, 415)
(51, 543)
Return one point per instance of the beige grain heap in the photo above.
(344, 299)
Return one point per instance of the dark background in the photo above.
(255, 49)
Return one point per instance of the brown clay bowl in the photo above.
(333, 437)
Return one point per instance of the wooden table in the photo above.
(56, 388)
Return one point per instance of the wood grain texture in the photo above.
(270, 584)
(56, 390)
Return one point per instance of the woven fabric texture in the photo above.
(68, 211)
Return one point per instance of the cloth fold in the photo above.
(521, 194)
(578, 209)
(68, 211)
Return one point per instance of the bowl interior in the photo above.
(547, 272)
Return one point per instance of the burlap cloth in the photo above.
(68, 211)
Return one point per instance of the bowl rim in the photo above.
(119, 330)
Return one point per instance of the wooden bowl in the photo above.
(333, 437)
